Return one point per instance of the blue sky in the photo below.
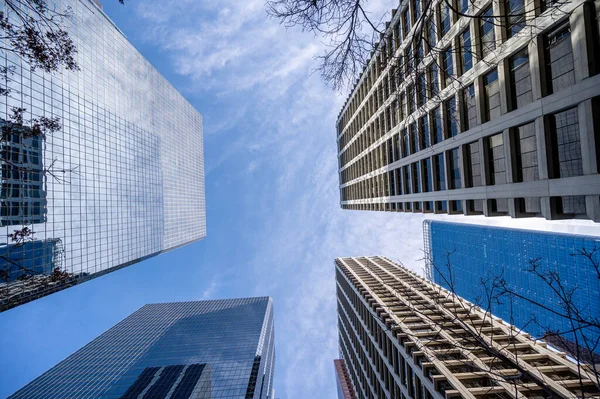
(274, 222)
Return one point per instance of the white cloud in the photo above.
(286, 125)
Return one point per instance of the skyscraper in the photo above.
(404, 337)
(477, 262)
(342, 379)
(185, 350)
(121, 181)
(457, 112)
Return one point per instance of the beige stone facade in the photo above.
(405, 337)
(477, 107)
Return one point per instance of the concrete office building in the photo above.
(478, 108)
(404, 337)
(342, 379)
(121, 181)
(184, 350)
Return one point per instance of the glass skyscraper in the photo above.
(200, 350)
(477, 262)
(121, 181)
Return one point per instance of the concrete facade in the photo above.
(484, 107)
(405, 337)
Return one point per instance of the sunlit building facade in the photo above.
(477, 262)
(477, 108)
(123, 178)
(401, 336)
(186, 350)
(342, 380)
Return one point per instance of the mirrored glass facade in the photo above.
(201, 350)
(477, 262)
(121, 181)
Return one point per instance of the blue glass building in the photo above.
(473, 260)
(123, 178)
(200, 350)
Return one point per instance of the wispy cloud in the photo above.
(273, 126)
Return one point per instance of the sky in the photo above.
(274, 225)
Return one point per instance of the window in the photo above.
(427, 182)
(448, 67)
(515, 18)
(440, 173)
(464, 6)
(496, 164)
(559, 59)
(520, 80)
(445, 17)
(473, 164)
(413, 138)
(491, 95)
(434, 83)
(566, 146)
(417, 9)
(469, 119)
(408, 61)
(406, 144)
(436, 126)
(465, 51)
(455, 181)
(525, 153)
(421, 89)
(451, 117)
(397, 145)
(486, 32)
(416, 173)
(407, 180)
(405, 22)
(418, 52)
(424, 128)
(410, 99)
(430, 33)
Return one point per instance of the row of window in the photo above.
(484, 163)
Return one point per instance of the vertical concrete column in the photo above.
(479, 99)
(444, 117)
(537, 67)
(447, 170)
(533, 8)
(509, 155)
(581, 21)
(542, 156)
(510, 164)
(453, 15)
(504, 86)
(483, 161)
(475, 42)
(462, 152)
(588, 137)
(455, 56)
(499, 21)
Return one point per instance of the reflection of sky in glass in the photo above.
(231, 338)
(482, 251)
(132, 146)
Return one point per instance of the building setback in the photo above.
(461, 257)
(342, 379)
(121, 181)
(478, 108)
(404, 337)
(185, 350)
